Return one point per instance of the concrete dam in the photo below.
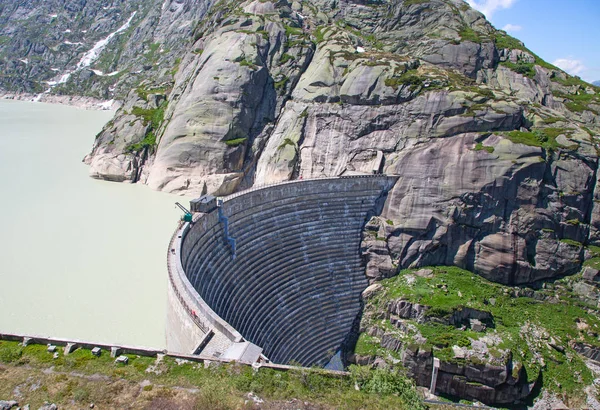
(273, 273)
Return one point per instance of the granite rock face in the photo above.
(496, 150)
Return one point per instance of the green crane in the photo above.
(187, 215)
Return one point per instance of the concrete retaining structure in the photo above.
(291, 279)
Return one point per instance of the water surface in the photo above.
(79, 258)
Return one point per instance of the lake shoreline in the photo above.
(80, 258)
(86, 103)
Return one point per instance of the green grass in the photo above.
(571, 242)
(465, 289)
(543, 138)
(293, 31)
(571, 81)
(553, 120)
(248, 63)
(466, 33)
(593, 263)
(235, 142)
(153, 117)
(409, 78)
(480, 147)
(505, 41)
(143, 92)
(379, 389)
(280, 85)
(149, 142)
(580, 102)
(526, 69)
(319, 34)
(285, 58)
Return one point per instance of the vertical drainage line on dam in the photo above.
(225, 221)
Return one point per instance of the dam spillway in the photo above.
(278, 266)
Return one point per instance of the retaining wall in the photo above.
(294, 285)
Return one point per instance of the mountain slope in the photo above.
(495, 147)
(96, 49)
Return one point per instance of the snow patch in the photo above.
(360, 49)
(69, 43)
(64, 78)
(53, 16)
(92, 55)
(67, 31)
(88, 58)
(107, 105)
(25, 61)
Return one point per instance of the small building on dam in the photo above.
(273, 273)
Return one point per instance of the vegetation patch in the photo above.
(523, 68)
(580, 101)
(285, 58)
(480, 147)
(280, 85)
(293, 31)
(503, 40)
(522, 325)
(412, 2)
(224, 386)
(144, 92)
(319, 34)
(247, 63)
(543, 138)
(410, 78)
(152, 117)
(466, 33)
(235, 142)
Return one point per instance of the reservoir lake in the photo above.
(79, 258)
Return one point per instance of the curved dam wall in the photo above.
(290, 280)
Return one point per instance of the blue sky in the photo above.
(563, 32)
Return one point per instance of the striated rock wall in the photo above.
(496, 149)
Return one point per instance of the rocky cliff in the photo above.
(495, 148)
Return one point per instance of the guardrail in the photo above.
(149, 352)
(191, 312)
(295, 181)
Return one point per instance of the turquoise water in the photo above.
(79, 258)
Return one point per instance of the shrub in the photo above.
(235, 142)
(387, 382)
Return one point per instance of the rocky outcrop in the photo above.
(491, 384)
(495, 148)
(499, 381)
